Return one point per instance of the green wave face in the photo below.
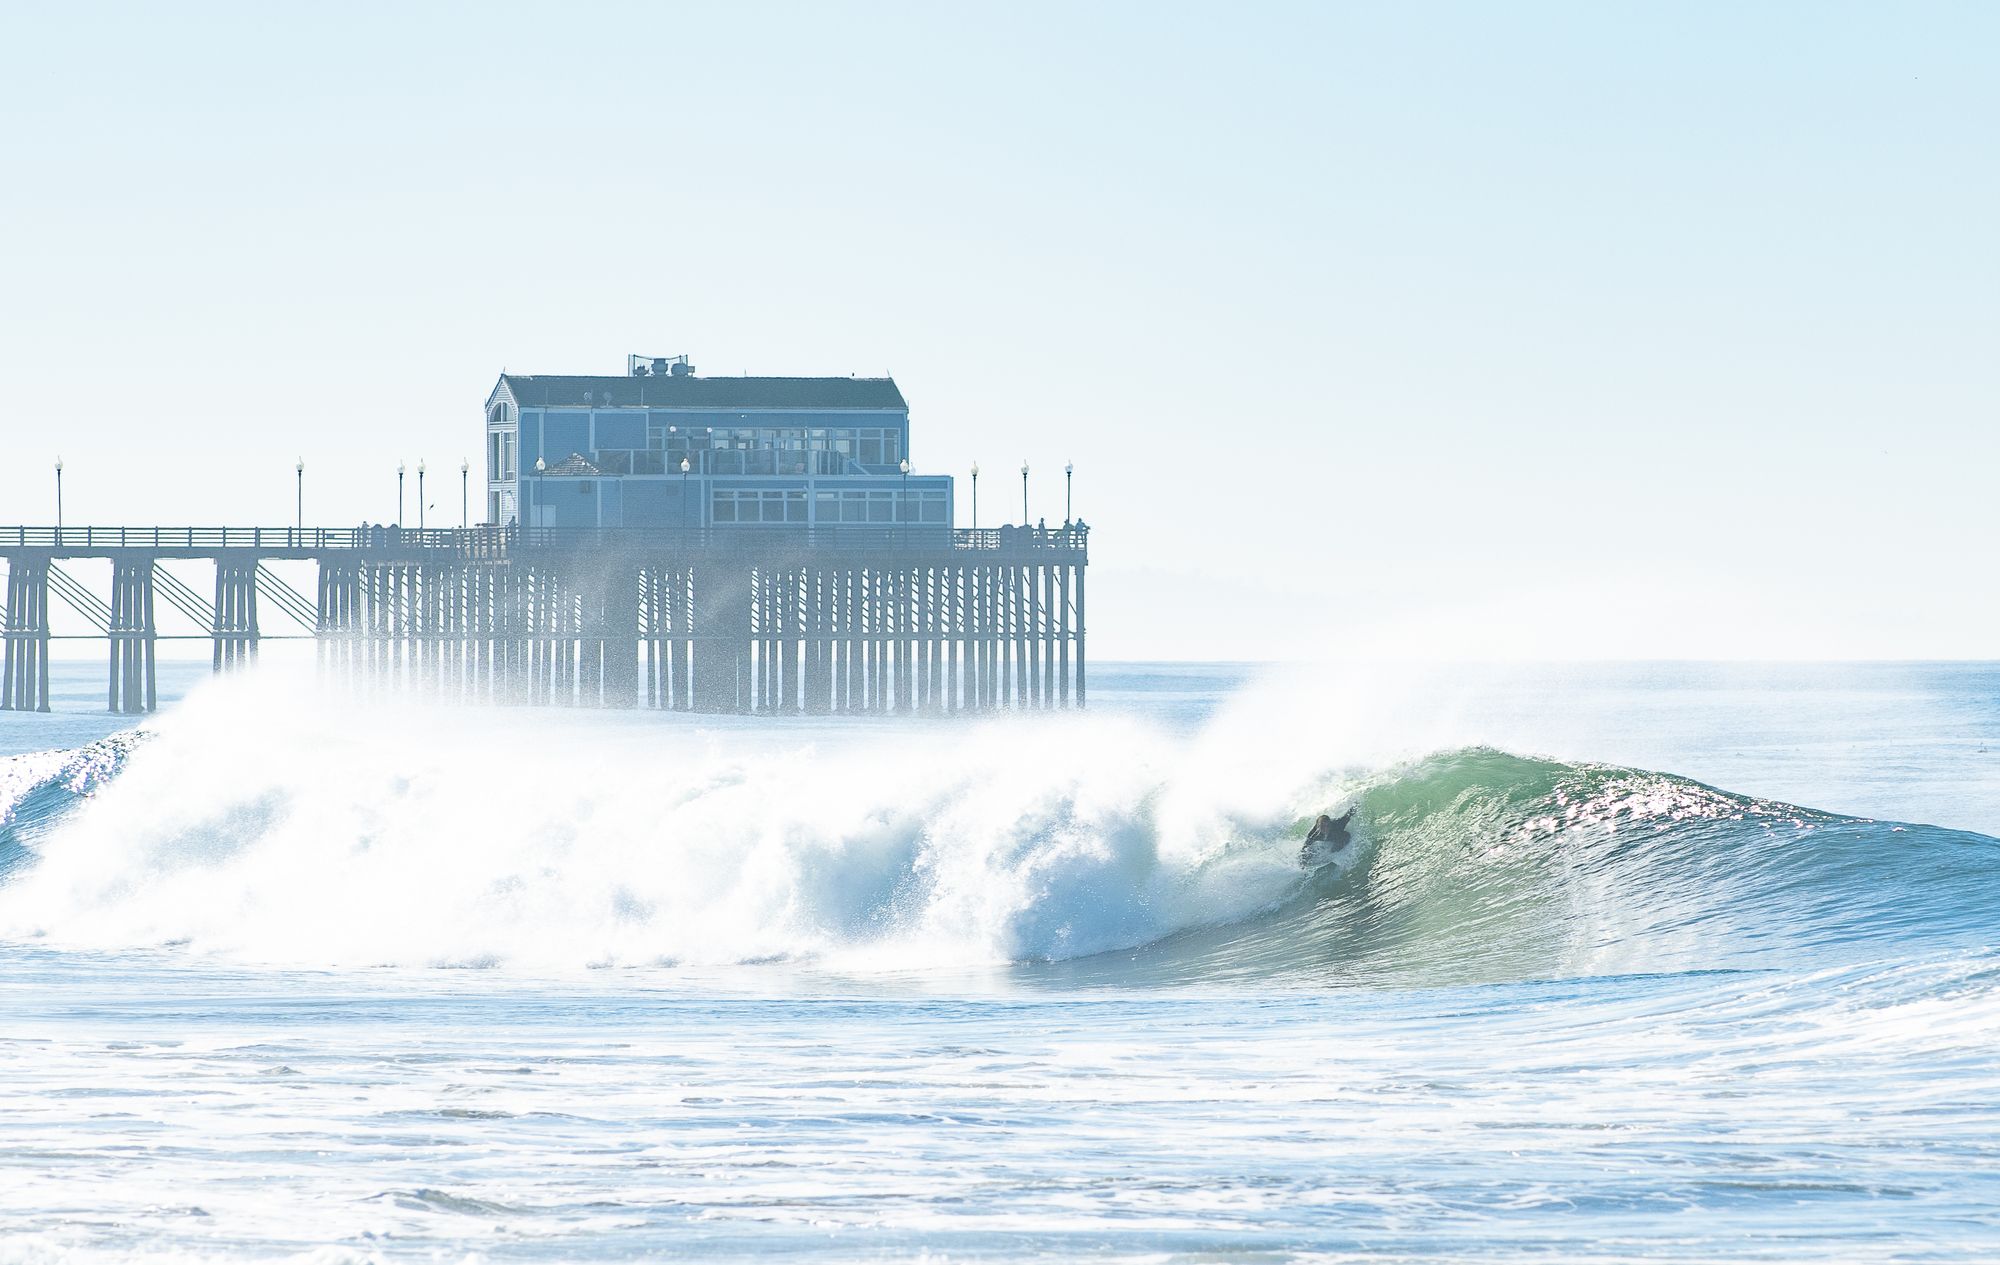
(1478, 865)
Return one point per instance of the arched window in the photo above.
(501, 441)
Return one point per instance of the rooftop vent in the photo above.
(658, 366)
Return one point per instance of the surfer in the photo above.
(1326, 838)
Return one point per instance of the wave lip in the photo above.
(263, 833)
(38, 790)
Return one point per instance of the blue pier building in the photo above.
(660, 447)
(651, 537)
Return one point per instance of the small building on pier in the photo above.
(656, 538)
(660, 447)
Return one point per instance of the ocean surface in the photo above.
(1660, 962)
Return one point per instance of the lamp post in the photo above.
(975, 496)
(1069, 475)
(299, 469)
(58, 500)
(1024, 493)
(684, 491)
(420, 494)
(399, 494)
(903, 513)
(464, 492)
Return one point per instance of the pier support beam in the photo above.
(24, 675)
(722, 632)
(235, 631)
(133, 684)
(619, 638)
(1079, 637)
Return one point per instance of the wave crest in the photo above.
(1087, 847)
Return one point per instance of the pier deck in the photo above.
(771, 619)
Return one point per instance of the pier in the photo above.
(767, 619)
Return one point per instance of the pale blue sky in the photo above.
(1460, 330)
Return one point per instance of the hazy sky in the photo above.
(1488, 330)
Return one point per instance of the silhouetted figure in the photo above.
(1326, 838)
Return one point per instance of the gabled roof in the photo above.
(661, 391)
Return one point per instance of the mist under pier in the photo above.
(778, 620)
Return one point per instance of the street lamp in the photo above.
(904, 512)
(464, 493)
(59, 500)
(299, 469)
(684, 490)
(399, 494)
(1024, 493)
(1069, 474)
(420, 495)
(975, 496)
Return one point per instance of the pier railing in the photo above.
(501, 542)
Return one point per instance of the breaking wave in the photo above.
(1080, 847)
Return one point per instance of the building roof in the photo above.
(573, 464)
(663, 391)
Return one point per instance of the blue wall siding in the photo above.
(531, 442)
(621, 430)
(574, 501)
(657, 503)
(563, 434)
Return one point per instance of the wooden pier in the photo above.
(775, 620)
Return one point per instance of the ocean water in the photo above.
(1653, 962)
